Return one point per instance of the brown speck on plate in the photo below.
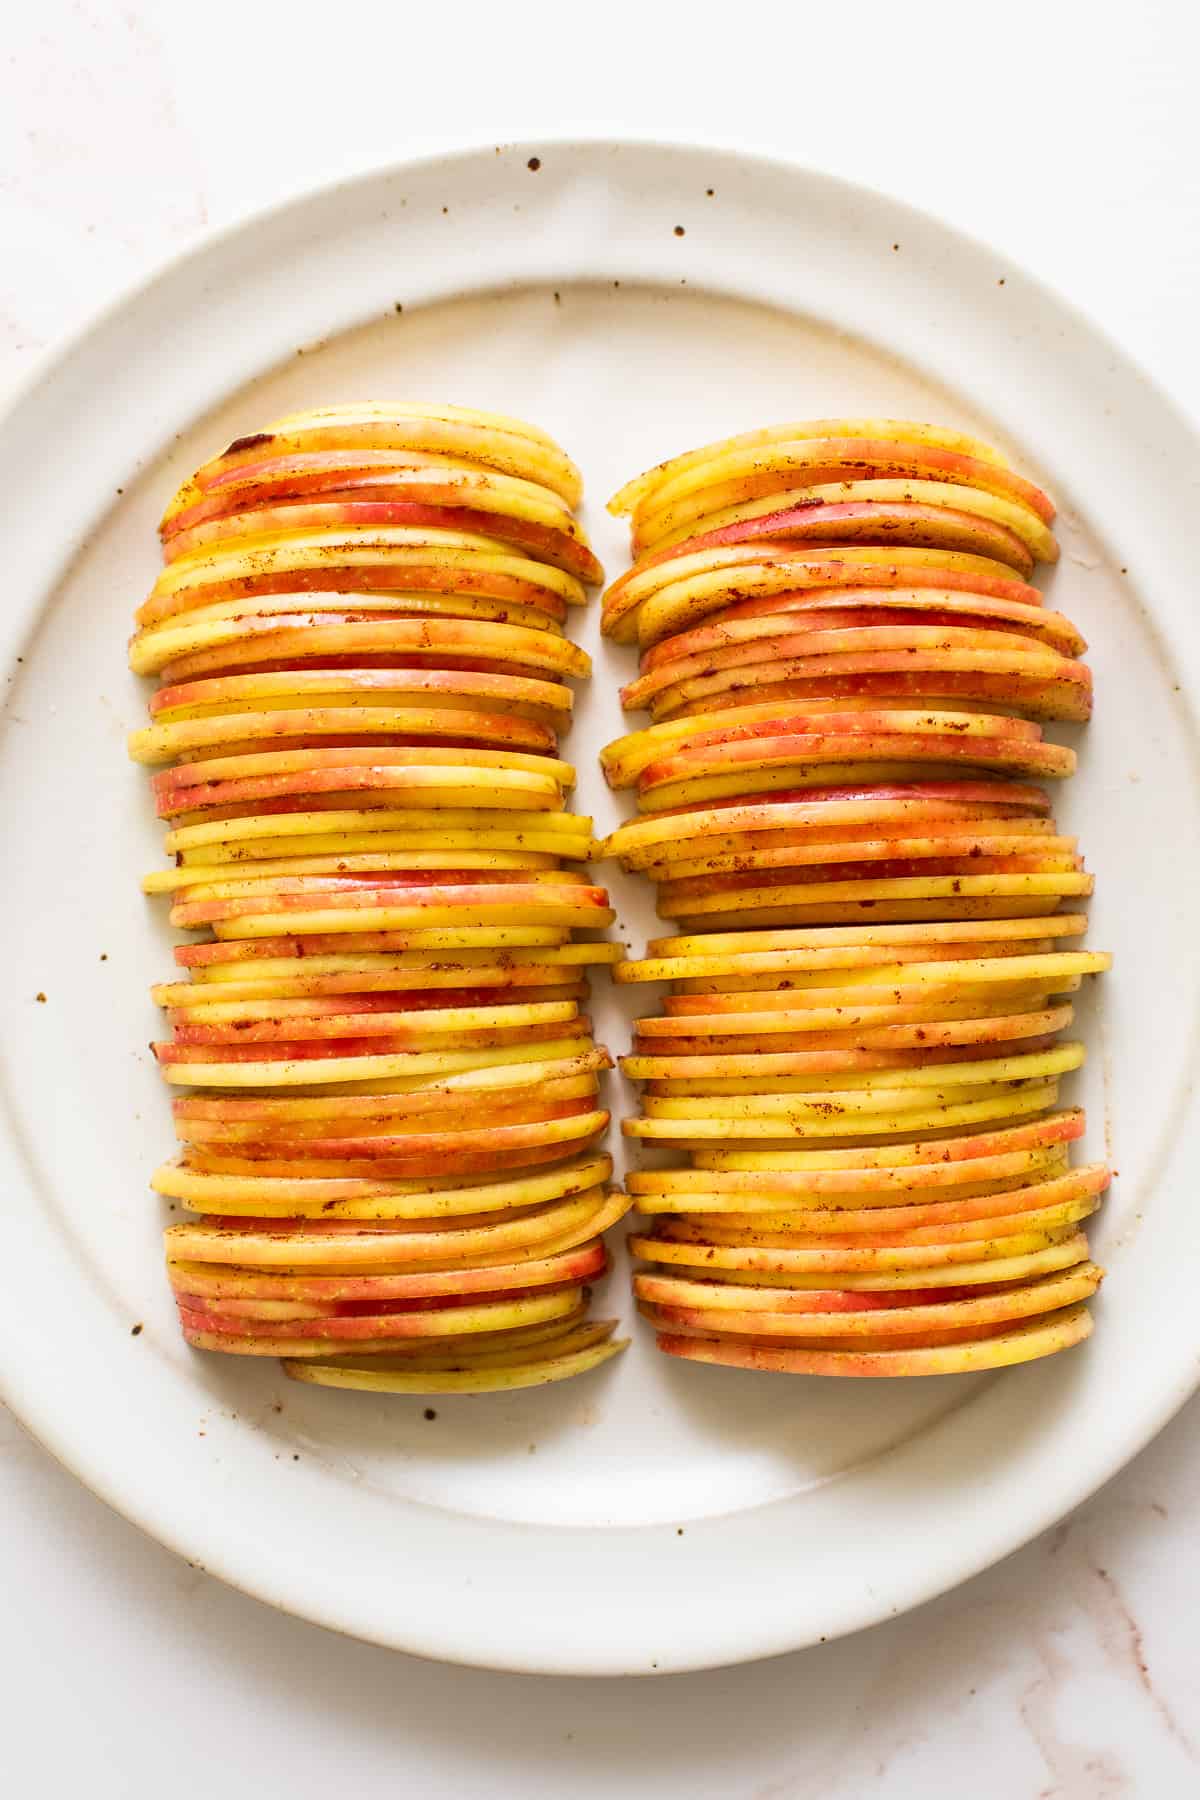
(40, 998)
(534, 163)
(136, 1330)
(430, 1413)
(679, 231)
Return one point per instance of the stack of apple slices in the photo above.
(848, 674)
(388, 1090)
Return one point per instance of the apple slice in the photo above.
(943, 1046)
(677, 588)
(942, 680)
(478, 1375)
(227, 839)
(755, 1269)
(509, 446)
(237, 957)
(302, 727)
(771, 556)
(746, 624)
(794, 1230)
(363, 510)
(1041, 1336)
(914, 898)
(761, 1313)
(739, 728)
(868, 936)
(725, 504)
(1043, 1185)
(921, 976)
(284, 986)
(198, 1282)
(336, 1199)
(187, 651)
(287, 559)
(826, 1119)
(291, 1244)
(945, 1153)
(805, 455)
(432, 478)
(442, 1321)
(905, 432)
(523, 696)
(359, 1059)
(851, 1087)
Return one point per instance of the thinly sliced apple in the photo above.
(676, 589)
(733, 497)
(715, 1307)
(891, 432)
(334, 1199)
(189, 651)
(290, 1244)
(442, 1321)
(826, 1119)
(199, 1281)
(990, 1261)
(1041, 1336)
(808, 453)
(1043, 1185)
(353, 725)
(362, 510)
(524, 696)
(473, 1379)
(509, 446)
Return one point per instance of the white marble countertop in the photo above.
(1070, 141)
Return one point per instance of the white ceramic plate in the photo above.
(655, 1516)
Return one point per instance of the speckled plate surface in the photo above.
(633, 299)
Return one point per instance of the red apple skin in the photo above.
(831, 575)
(960, 791)
(503, 1141)
(811, 748)
(363, 684)
(402, 1320)
(335, 1291)
(351, 578)
(397, 1042)
(819, 609)
(542, 542)
(392, 640)
(854, 459)
(251, 950)
(779, 1359)
(426, 1167)
(1066, 698)
(344, 1015)
(387, 1129)
(815, 633)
